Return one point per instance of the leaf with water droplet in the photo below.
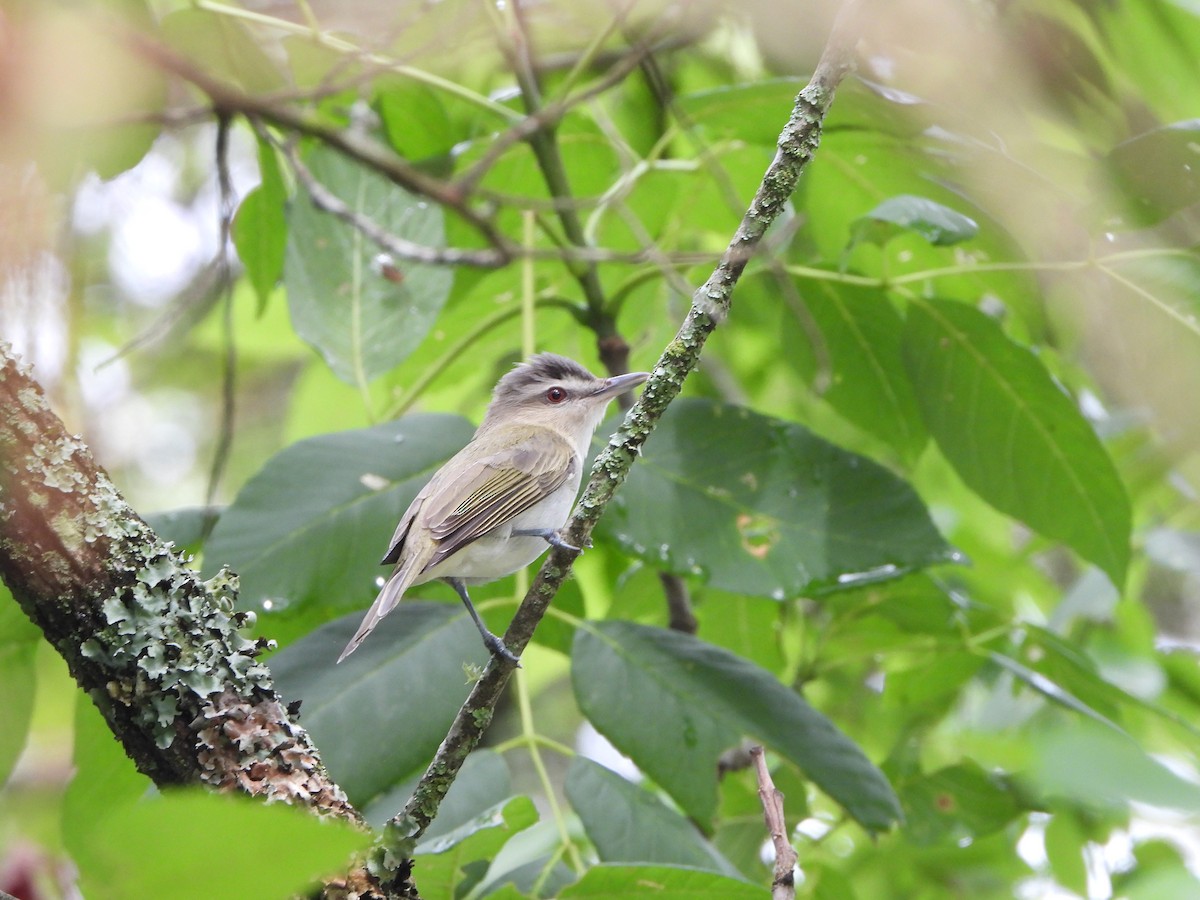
(810, 513)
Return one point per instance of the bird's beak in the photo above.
(619, 384)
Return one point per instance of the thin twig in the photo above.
(710, 306)
(232, 101)
(229, 357)
(783, 884)
(401, 248)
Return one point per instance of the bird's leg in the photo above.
(494, 644)
(549, 535)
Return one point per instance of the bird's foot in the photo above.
(550, 536)
(497, 647)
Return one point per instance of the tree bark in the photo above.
(157, 649)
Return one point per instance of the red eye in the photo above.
(556, 395)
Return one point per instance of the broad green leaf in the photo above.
(260, 227)
(443, 863)
(938, 224)
(955, 804)
(379, 716)
(1159, 170)
(1050, 689)
(783, 511)
(1013, 436)
(19, 639)
(618, 882)
(628, 824)
(311, 527)
(1118, 770)
(104, 779)
(755, 113)
(195, 844)
(857, 356)
(673, 703)
(362, 321)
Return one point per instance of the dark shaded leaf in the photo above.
(673, 703)
(379, 716)
(762, 506)
(312, 525)
(628, 824)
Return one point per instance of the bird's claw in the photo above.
(497, 647)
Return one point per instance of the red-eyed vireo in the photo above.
(497, 504)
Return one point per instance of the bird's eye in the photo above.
(556, 394)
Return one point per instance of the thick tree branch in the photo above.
(710, 306)
(156, 649)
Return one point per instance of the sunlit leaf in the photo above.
(857, 362)
(363, 316)
(197, 844)
(19, 640)
(1013, 435)
(260, 227)
(673, 703)
(782, 510)
(957, 804)
(445, 861)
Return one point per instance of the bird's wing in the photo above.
(495, 489)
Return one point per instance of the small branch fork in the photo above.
(783, 884)
(710, 306)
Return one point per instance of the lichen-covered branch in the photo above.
(157, 649)
(710, 306)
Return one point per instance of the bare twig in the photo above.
(231, 101)
(783, 884)
(710, 306)
(401, 248)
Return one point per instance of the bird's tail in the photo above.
(391, 594)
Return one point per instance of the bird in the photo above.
(500, 502)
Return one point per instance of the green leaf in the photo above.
(1159, 170)
(938, 224)
(616, 882)
(857, 351)
(958, 803)
(754, 112)
(415, 120)
(1117, 770)
(443, 862)
(312, 525)
(482, 782)
(260, 227)
(1012, 434)
(19, 639)
(197, 844)
(761, 506)
(360, 321)
(629, 824)
(673, 703)
(404, 686)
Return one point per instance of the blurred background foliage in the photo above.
(934, 481)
